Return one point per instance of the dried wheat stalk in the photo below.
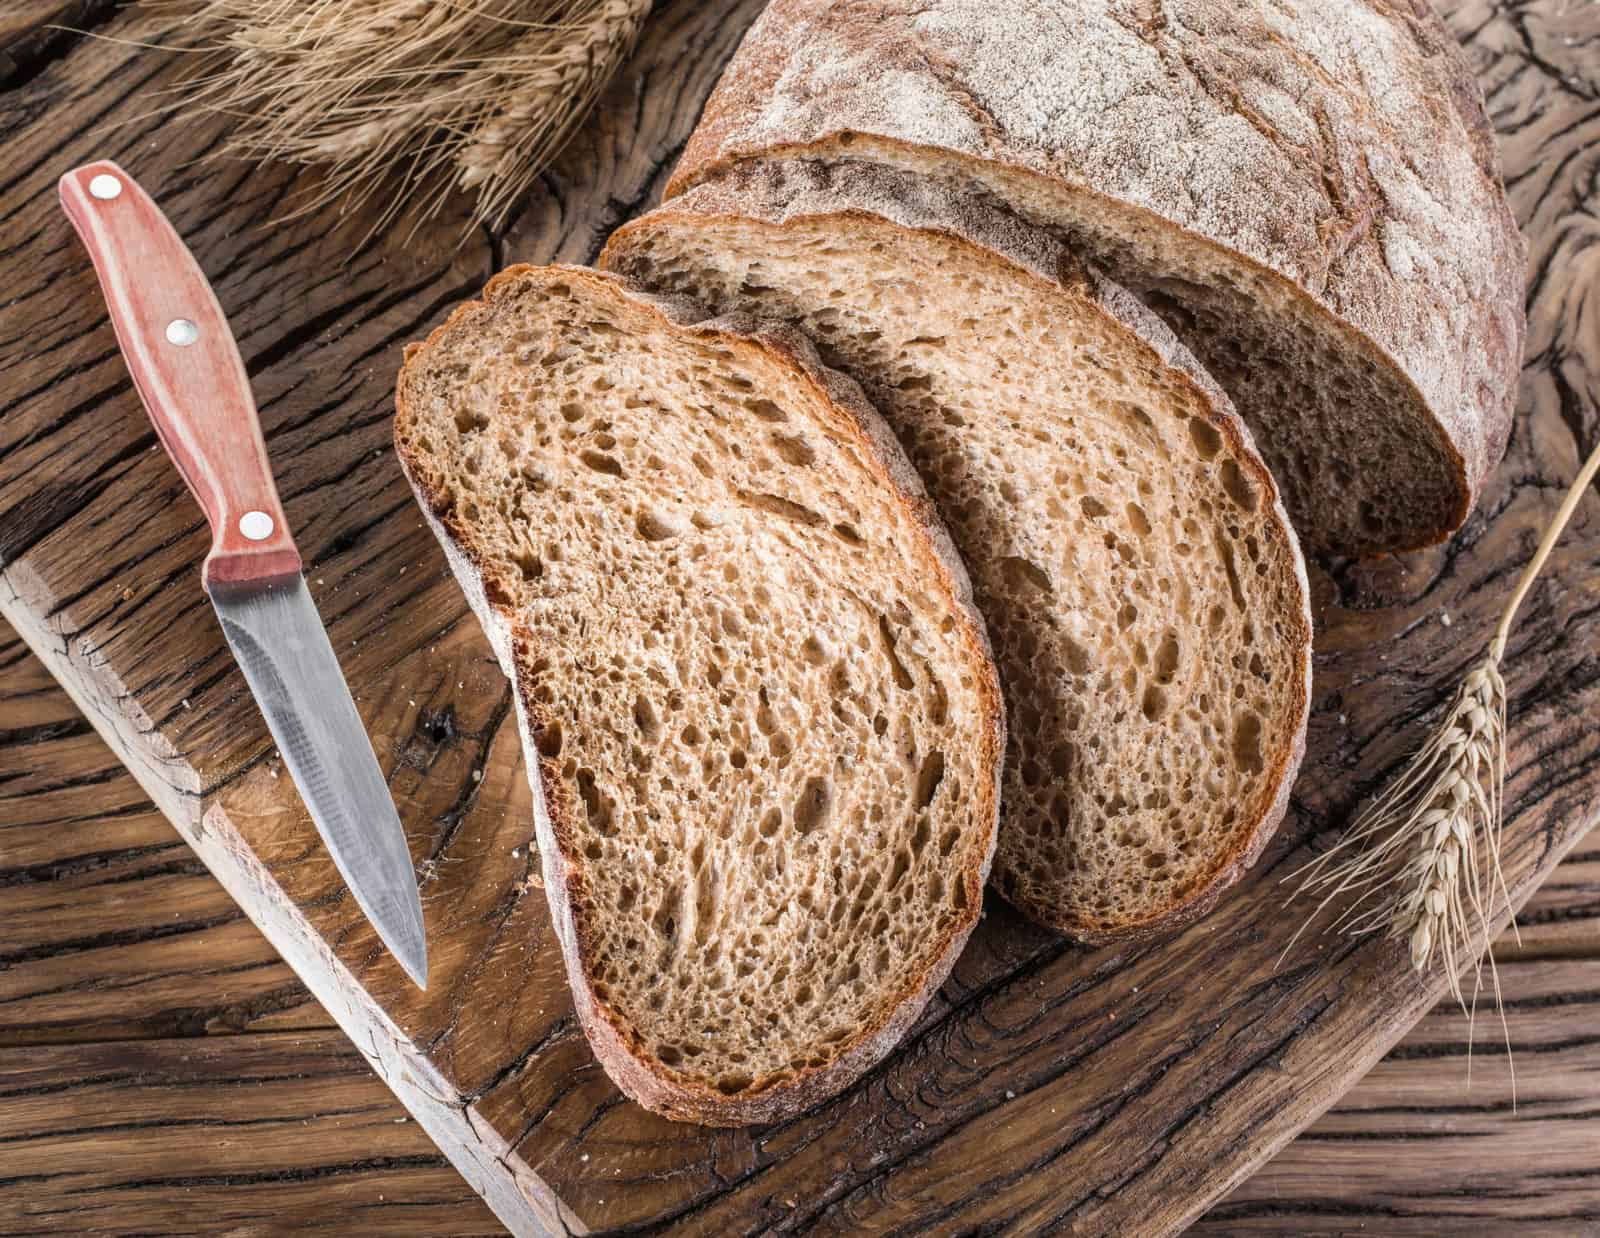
(1423, 860)
(405, 100)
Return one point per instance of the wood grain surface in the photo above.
(213, 1094)
(1047, 1087)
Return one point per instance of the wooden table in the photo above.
(161, 1071)
(142, 1020)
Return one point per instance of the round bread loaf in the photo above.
(1307, 191)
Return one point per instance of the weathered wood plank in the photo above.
(1413, 1150)
(31, 31)
(113, 929)
(248, 1134)
(292, 1133)
(1411, 1120)
(1047, 1086)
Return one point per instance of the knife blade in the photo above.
(186, 366)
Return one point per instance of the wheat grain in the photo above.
(550, 79)
(1423, 860)
(1413, 860)
(406, 97)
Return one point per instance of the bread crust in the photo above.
(1338, 150)
(516, 648)
(783, 194)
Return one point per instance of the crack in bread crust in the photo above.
(1308, 191)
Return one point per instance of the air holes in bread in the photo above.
(777, 505)
(1247, 743)
(902, 677)
(812, 808)
(766, 410)
(659, 525)
(596, 803)
(1206, 437)
(928, 779)
(547, 739)
(1166, 665)
(793, 449)
(645, 720)
(1238, 486)
(600, 462)
(1025, 573)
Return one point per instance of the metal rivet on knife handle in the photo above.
(257, 526)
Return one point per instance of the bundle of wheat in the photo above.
(407, 98)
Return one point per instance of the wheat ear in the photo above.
(549, 79)
(1423, 860)
(402, 100)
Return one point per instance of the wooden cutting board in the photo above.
(1047, 1086)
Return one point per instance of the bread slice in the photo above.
(1306, 190)
(1142, 585)
(762, 725)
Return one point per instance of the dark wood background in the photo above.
(163, 1072)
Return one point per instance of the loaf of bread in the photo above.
(1143, 587)
(1306, 190)
(761, 722)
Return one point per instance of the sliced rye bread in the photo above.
(1143, 587)
(761, 721)
(1307, 190)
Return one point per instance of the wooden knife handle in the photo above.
(185, 363)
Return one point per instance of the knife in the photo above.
(186, 365)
